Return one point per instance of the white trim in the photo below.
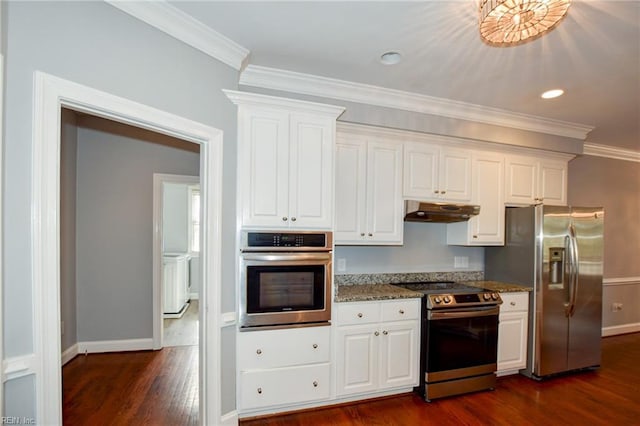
(2, 374)
(254, 99)
(125, 345)
(620, 329)
(229, 419)
(308, 84)
(158, 303)
(184, 27)
(50, 94)
(69, 354)
(19, 366)
(227, 319)
(609, 282)
(194, 296)
(611, 152)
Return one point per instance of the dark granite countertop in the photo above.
(370, 292)
(498, 286)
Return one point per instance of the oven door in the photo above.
(461, 343)
(285, 289)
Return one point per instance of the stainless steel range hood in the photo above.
(418, 211)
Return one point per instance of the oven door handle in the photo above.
(287, 257)
(468, 313)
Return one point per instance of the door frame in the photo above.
(159, 179)
(50, 95)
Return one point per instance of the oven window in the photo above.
(281, 288)
(461, 342)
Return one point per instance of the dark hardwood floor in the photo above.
(161, 388)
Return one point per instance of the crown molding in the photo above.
(308, 84)
(254, 99)
(176, 23)
(611, 152)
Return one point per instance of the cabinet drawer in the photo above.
(399, 310)
(279, 348)
(284, 386)
(514, 302)
(358, 313)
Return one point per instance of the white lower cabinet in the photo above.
(377, 346)
(283, 367)
(513, 332)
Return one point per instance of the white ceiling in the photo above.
(594, 54)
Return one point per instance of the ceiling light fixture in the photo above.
(390, 58)
(512, 22)
(550, 94)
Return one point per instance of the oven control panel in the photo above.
(286, 241)
(443, 301)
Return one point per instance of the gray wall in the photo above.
(68, 169)
(175, 220)
(425, 249)
(114, 229)
(94, 44)
(615, 185)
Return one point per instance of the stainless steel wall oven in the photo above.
(285, 279)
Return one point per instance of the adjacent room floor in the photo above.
(182, 331)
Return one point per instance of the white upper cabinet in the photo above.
(285, 161)
(487, 228)
(534, 180)
(436, 173)
(369, 207)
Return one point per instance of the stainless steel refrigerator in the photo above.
(557, 251)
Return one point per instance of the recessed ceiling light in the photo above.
(390, 58)
(550, 94)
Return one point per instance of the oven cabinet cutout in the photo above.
(285, 162)
(512, 332)
(369, 207)
(377, 346)
(536, 180)
(281, 368)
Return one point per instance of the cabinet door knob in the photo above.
(385, 332)
(293, 219)
(315, 346)
(475, 236)
(315, 383)
(359, 314)
(436, 191)
(370, 234)
(259, 351)
(284, 219)
(513, 303)
(376, 333)
(401, 311)
(362, 234)
(259, 390)
(443, 192)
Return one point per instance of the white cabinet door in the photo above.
(310, 172)
(399, 352)
(264, 160)
(512, 341)
(487, 228)
(369, 207)
(521, 180)
(455, 175)
(357, 363)
(553, 182)
(351, 175)
(421, 170)
(384, 198)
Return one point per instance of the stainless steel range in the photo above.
(459, 338)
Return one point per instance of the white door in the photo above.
(357, 364)
(399, 353)
(455, 175)
(521, 180)
(420, 174)
(350, 189)
(512, 341)
(553, 182)
(488, 189)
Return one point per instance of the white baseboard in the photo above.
(194, 296)
(69, 354)
(620, 329)
(229, 419)
(115, 346)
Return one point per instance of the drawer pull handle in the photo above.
(259, 351)
(359, 314)
(260, 390)
(376, 333)
(385, 332)
(315, 384)
(315, 346)
(513, 303)
(401, 311)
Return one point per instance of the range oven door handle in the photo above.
(468, 313)
(287, 257)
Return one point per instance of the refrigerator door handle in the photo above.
(574, 268)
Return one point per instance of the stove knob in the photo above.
(486, 296)
(437, 299)
(447, 299)
(494, 296)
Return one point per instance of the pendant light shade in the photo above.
(512, 22)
